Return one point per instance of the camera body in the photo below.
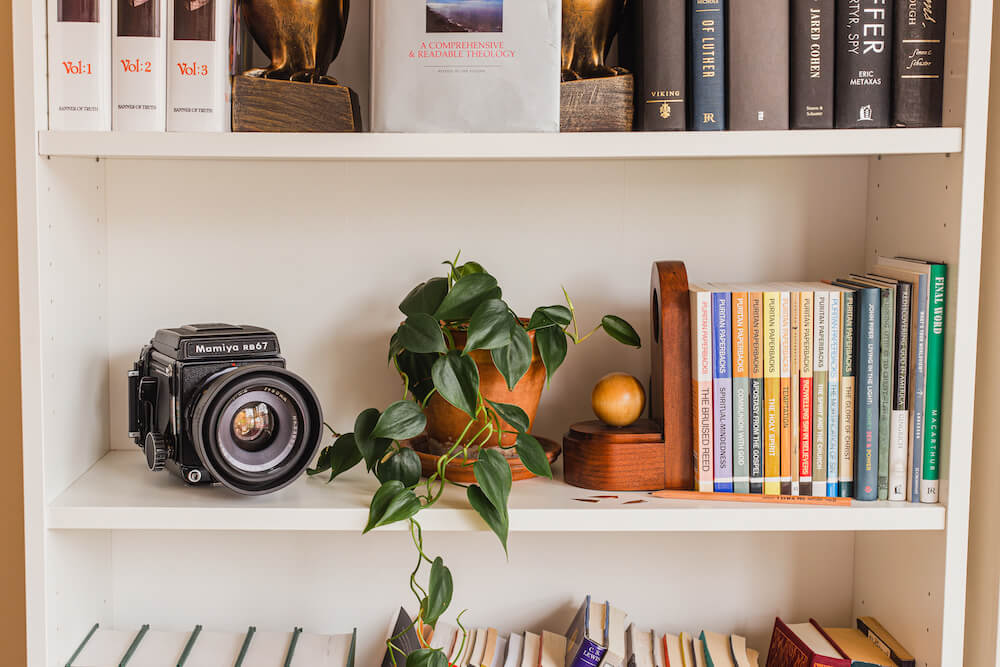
(215, 403)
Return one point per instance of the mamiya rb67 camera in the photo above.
(214, 403)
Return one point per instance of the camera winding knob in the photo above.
(155, 448)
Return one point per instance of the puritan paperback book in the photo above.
(466, 65)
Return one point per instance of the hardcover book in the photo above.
(805, 392)
(811, 63)
(701, 386)
(708, 64)
(741, 393)
(772, 393)
(757, 53)
(722, 384)
(756, 407)
(888, 644)
(139, 58)
(863, 63)
(655, 29)
(79, 50)
(918, 67)
(458, 66)
(199, 89)
(856, 647)
(802, 645)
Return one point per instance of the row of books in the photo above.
(780, 64)
(821, 389)
(807, 644)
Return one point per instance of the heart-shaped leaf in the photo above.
(425, 297)
(513, 415)
(548, 316)
(322, 462)
(552, 346)
(392, 502)
(367, 443)
(421, 333)
(532, 455)
(395, 347)
(493, 474)
(496, 520)
(469, 268)
(466, 295)
(457, 380)
(439, 592)
(418, 372)
(514, 359)
(427, 657)
(403, 466)
(400, 421)
(344, 455)
(621, 330)
(490, 326)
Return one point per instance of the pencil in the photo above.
(754, 498)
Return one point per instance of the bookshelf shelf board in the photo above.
(119, 493)
(367, 146)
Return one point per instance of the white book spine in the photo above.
(138, 65)
(198, 82)
(79, 50)
(899, 453)
(701, 350)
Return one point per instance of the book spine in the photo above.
(701, 352)
(741, 393)
(919, 388)
(722, 383)
(833, 398)
(848, 366)
(863, 63)
(589, 654)
(139, 58)
(656, 32)
(821, 371)
(708, 70)
(811, 63)
(806, 303)
(866, 474)
(935, 379)
(795, 301)
(882, 642)
(756, 392)
(899, 427)
(918, 68)
(886, 369)
(79, 50)
(772, 394)
(785, 384)
(198, 81)
(757, 53)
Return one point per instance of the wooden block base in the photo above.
(597, 105)
(273, 105)
(607, 458)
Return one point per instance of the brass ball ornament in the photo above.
(618, 399)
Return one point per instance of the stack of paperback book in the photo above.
(821, 389)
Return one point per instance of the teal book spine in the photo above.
(867, 408)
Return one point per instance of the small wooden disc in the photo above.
(460, 470)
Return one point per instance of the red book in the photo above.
(802, 645)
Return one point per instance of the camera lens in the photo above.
(256, 428)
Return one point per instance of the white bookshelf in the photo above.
(319, 236)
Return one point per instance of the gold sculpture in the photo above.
(588, 27)
(301, 37)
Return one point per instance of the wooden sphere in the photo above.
(618, 399)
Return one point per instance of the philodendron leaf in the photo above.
(369, 446)
(512, 414)
(469, 268)
(425, 297)
(418, 372)
(392, 502)
(548, 316)
(497, 521)
(395, 347)
(427, 657)
(403, 466)
(532, 455)
(439, 591)
(514, 359)
(401, 421)
(493, 474)
(466, 295)
(322, 463)
(490, 326)
(457, 380)
(421, 333)
(621, 330)
(344, 455)
(552, 346)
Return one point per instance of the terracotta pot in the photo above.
(445, 422)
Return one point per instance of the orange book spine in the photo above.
(785, 379)
(772, 393)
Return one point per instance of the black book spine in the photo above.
(812, 49)
(654, 49)
(918, 72)
(864, 63)
(707, 42)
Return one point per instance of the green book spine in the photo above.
(935, 378)
(886, 373)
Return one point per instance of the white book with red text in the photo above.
(138, 65)
(79, 43)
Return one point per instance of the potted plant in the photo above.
(473, 372)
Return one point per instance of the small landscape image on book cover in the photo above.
(78, 11)
(138, 18)
(464, 15)
(194, 20)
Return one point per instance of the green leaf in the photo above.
(367, 443)
(439, 591)
(496, 520)
(344, 455)
(552, 346)
(403, 466)
(421, 333)
(490, 326)
(532, 455)
(493, 474)
(469, 268)
(548, 316)
(322, 462)
(392, 502)
(621, 330)
(427, 657)
(514, 359)
(418, 372)
(466, 295)
(400, 421)
(512, 414)
(425, 297)
(457, 380)
(395, 347)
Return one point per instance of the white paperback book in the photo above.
(515, 644)
(465, 65)
(198, 81)
(138, 65)
(79, 45)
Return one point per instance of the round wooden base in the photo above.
(608, 458)
(460, 470)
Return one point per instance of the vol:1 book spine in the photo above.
(918, 68)
(863, 64)
(722, 384)
(655, 31)
(708, 64)
(811, 64)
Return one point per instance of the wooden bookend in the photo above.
(655, 453)
(274, 105)
(596, 105)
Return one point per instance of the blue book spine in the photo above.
(919, 388)
(708, 58)
(867, 403)
(583, 651)
(722, 385)
(588, 654)
(833, 398)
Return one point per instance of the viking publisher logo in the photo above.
(192, 69)
(78, 67)
(136, 65)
